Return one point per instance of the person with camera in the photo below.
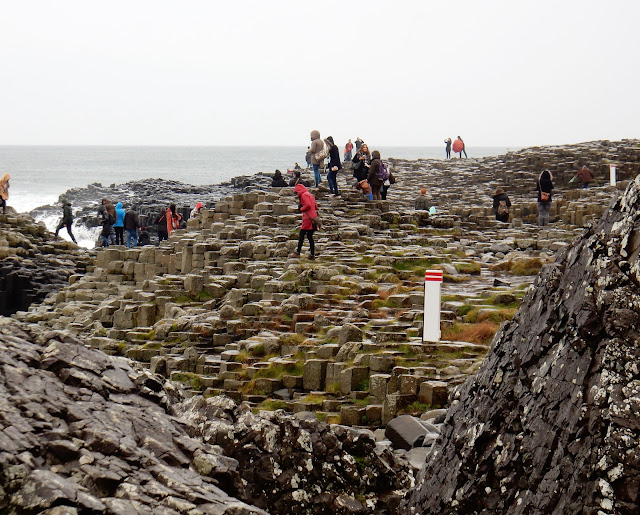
(361, 163)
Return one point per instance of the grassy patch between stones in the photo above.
(524, 266)
(481, 333)
(271, 405)
(187, 377)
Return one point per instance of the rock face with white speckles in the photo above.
(551, 422)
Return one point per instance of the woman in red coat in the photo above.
(309, 210)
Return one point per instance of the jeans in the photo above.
(332, 178)
(105, 240)
(309, 234)
(544, 210)
(132, 234)
(316, 175)
(347, 156)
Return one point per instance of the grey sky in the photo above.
(502, 73)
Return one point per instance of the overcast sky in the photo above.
(498, 73)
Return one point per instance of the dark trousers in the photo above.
(163, 236)
(309, 234)
(332, 179)
(119, 235)
(383, 192)
(68, 226)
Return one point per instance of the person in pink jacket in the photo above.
(309, 210)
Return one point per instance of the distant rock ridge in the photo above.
(550, 423)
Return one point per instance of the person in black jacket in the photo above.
(501, 205)
(131, 225)
(544, 185)
(277, 181)
(67, 220)
(334, 166)
(361, 163)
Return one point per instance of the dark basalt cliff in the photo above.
(551, 422)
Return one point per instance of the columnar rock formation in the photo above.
(550, 423)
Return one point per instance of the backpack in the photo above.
(503, 209)
(383, 172)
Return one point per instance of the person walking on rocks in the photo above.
(67, 220)
(348, 148)
(4, 192)
(375, 177)
(459, 146)
(131, 225)
(334, 166)
(173, 219)
(447, 142)
(119, 225)
(585, 175)
(316, 146)
(501, 205)
(544, 185)
(309, 210)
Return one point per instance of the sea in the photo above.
(41, 174)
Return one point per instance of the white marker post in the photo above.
(612, 175)
(431, 323)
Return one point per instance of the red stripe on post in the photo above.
(433, 275)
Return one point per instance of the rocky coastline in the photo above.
(294, 364)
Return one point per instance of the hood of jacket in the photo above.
(330, 140)
(300, 189)
(119, 205)
(375, 155)
(315, 135)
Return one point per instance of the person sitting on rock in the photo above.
(297, 179)
(277, 180)
(195, 212)
(144, 238)
(422, 202)
(4, 192)
(67, 220)
(501, 205)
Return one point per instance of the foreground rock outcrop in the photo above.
(550, 423)
(87, 432)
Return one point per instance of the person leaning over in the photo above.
(585, 176)
(501, 205)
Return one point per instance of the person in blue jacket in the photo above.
(119, 225)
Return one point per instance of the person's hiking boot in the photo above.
(294, 255)
(312, 257)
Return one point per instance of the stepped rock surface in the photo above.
(550, 423)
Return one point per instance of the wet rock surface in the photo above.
(549, 423)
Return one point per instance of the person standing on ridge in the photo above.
(307, 157)
(316, 146)
(348, 148)
(544, 185)
(108, 218)
(334, 166)
(359, 143)
(361, 163)
(119, 225)
(374, 179)
(4, 192)
(459, 146)
(131, 225)
(67, 220)
(163, 233)
(309, 210)
(448, 147)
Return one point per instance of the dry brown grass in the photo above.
(482, 332)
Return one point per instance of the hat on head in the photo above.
(423, 190)
(499, 191)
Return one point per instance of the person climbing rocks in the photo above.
(585, 176)
(448, 147)
(334, 166)
(131, 225)
(67, 220)
(422, 202)
(501, 205)
(195, 212)
(544, 185)
(118, 227)
(309, 210)
(4, 192)
(316, 146)
(277, 181)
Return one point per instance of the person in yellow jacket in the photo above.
(4, 191)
